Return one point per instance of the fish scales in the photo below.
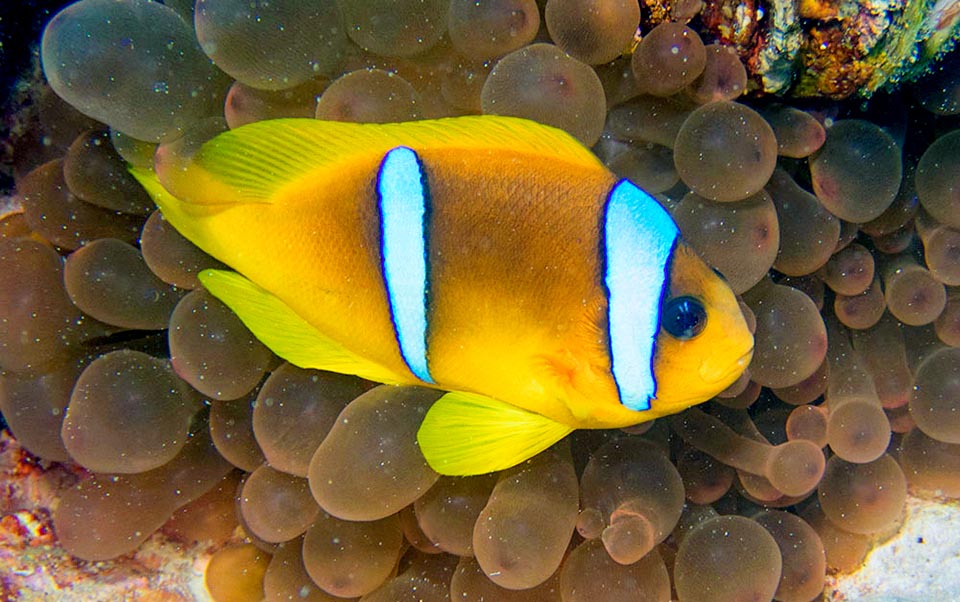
(491, 257)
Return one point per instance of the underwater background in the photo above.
(155, 450)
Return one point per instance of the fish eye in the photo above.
(684, 317)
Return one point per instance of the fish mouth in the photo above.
(728, 372)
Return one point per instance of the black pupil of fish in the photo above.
(684, 317)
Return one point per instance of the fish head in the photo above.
(703, 344)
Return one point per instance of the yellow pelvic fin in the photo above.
(467, 434)
(253, 162)
(286, 333)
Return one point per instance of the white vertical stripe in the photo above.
(403, 207)
(638, 238)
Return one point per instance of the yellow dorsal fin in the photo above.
(251, 163)
(286, 333)
(467, 434)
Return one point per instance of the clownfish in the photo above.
(491, 257)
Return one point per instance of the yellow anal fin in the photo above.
(468, 434)
(252, 163)
(287, 334)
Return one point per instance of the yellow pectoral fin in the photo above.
(468, 434)
(287, 334)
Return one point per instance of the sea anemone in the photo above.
(837, 223)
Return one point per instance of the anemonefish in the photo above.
(491, 257)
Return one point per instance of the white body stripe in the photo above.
(638, 236)
(403, 209)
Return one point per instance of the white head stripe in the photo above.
(638, 237)
(403, 209)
